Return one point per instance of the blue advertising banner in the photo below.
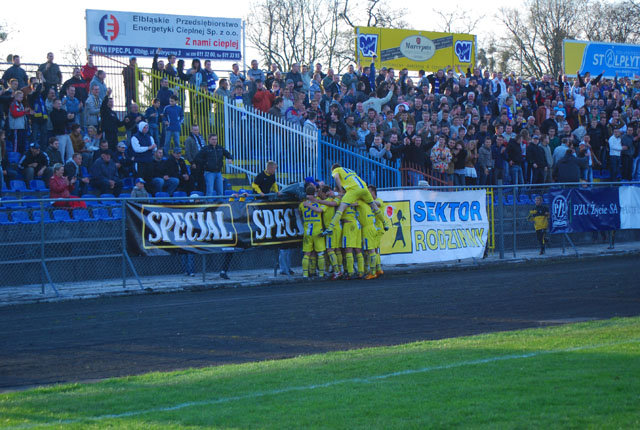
(580, 210)
(598, 57)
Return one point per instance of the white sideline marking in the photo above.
(365, 380)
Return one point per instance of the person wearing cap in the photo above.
(138, 190)
(35, 164)
(123, 160)
(129, 77)
(104, 175)
(295, 76)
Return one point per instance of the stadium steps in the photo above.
(237, 181)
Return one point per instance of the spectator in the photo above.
(98, 80)
(143, 146)
(88, 71)
(60, 120)
(138, 191)
(173, 118)
(77, 174)
(177, 169)
(104, 175)
(211, 159)
(53, 152)
(109, 121)
(60, 187)
(254, 74)
(514, 158)
(211, 76)
(78, 83)
(615, 149)
(159, 171)
(72, 105)
(265, 181)
(262, 99)
(380, 151)
(35, 164)
(235, 76)
(569, 167)
(129, 77)
(16, 72)
(124, 161)
(223, 89)
(296, 77)
(18, 123)
(537, 159)
(92, 107)
(51, 73)
(627, 153)
(486, 163)
(194, 144)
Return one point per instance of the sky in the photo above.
(34, 34)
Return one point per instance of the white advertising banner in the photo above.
(629, 207)
(140, 34)
(430, 226)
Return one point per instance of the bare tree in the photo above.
(535, 33)
(457, 21)
(73, 55)
(612, 22)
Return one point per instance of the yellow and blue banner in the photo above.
(414, 49)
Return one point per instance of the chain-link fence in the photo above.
(47, 246)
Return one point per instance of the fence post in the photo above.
(515, 216)
(225, 117)
(319, 152)
(398, 174)
(204, 266)
(501, 219)
(124, 244)
(42, 243)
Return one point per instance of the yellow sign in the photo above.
(398, 239)
(413, 49)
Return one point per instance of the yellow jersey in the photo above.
(365, 214)
(312, 220)
(348, 179)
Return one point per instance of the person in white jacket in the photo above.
(615, 147)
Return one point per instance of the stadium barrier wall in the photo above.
(42, 246)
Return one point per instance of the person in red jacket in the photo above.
(60, 188)
(18, 122)
(263, 98)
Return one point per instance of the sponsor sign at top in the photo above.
(140, 34)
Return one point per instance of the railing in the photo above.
(199, 107)
(413, 173)
(382, 174)
(254, 137)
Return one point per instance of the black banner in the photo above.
(161, 229)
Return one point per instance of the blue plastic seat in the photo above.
(116, 213)
(128, 183)
(508, 199)
(523, 199)
(4, 219)
(90, 203)
(125, 195)
(37, 216)
(38, 185)
(22, 217)
(198, 193)
(14, 157)
(27, 201)
(229, 192)
(165, 197)
(18, 185)
(12, 205)
(82, 215)
(109, 202)
(101, 214)
(62, 215)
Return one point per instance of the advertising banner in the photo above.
(629, 207)
(580, 210)
(429, 226)
(413, 49)
(140, 34)
(596, 57)
(161, 229)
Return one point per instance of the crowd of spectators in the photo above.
(472, 127)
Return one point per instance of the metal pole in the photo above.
(42, 242)
(515, 215)
(244, 47)
(501, 219)
(124, 244)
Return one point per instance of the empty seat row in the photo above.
(60, 215)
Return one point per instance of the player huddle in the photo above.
(353, 225)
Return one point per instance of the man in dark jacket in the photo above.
(51, 73)
(211, 159)
(74, 169)
(537, 160)
(35, 164)
(569, 167)
(159, 175)
(78, 83)
(514, 157)
(177, 168)
(104, 175)
(110, 121)
(16, 72)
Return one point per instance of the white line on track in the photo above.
(364, 380)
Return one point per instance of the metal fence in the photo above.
(382, 174)
(45, 246)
